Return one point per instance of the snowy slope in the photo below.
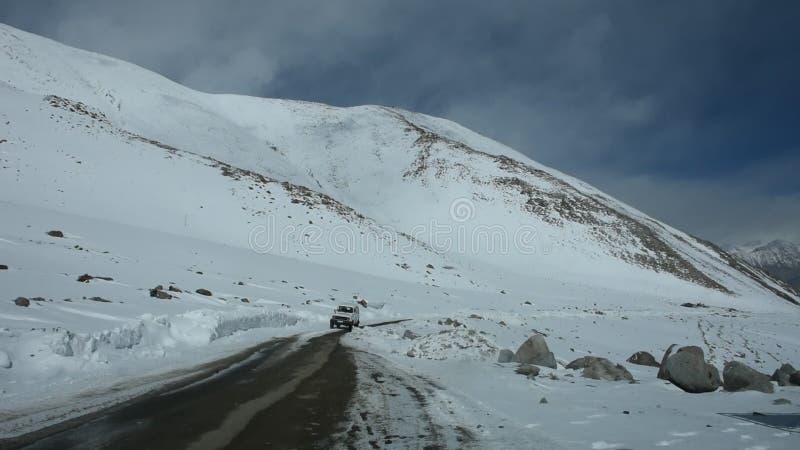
(404, 170)
(282, 208)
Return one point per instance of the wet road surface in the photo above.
(280, 397)
(281, 394)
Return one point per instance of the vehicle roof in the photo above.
(352, 305)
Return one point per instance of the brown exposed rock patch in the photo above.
(556, 205)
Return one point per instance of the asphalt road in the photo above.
(281, 396)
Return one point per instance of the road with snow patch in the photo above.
(320, 394)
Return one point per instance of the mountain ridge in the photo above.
(371, 161)
(779, 257)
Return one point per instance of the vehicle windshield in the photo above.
(345, 309)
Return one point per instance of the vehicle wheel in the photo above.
(331, 324)
(350, 328)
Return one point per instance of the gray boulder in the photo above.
(579, 363)
(527, 370)
(408, 334)
(5, 360)
(535, 351)
(783, 375)
(505, 356)
(781, 401)
(688, 370)
(739, 377)
(644, 359)
(600, 369)
(662, 371)
(158, 292)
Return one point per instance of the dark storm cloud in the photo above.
(687, 110)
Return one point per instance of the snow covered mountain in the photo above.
(779, 258)
(90, 135)
(148, 228)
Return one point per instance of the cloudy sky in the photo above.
(689, 110)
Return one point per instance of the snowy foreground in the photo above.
(70, 354)
(257, 216)
(582, 413)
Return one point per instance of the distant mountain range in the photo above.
(779, 258)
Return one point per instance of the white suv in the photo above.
(345, 315)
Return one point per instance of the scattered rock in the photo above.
(244, 300)
(475, 316)
(600, 369)
(3, 267)
(99, 299)
(362, 302)
(37, 299)
(205, 292)
(643, 359)
(241, 283)
(158, 292)
(781, 401)
(22, 301)
(55, 233)
(449, 321)
(429, 266)
(783, 374)
(408, 334)
(174, 289)
(85, 278)
(626, 412)
(543, 401)
(535, 351)
(528, 370)
(737, 376)
(688, 370)
(505, 356)
(694, 305)
(794, 379)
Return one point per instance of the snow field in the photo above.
(583, 413)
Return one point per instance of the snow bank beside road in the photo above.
(196, 327)
(56, 374)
